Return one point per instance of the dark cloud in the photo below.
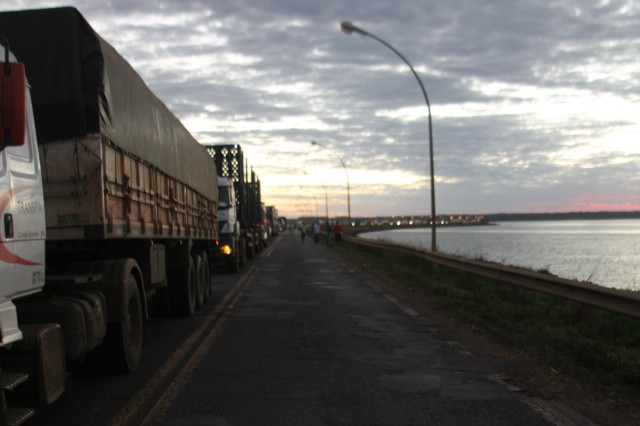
(507, 81)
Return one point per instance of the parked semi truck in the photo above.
(108, 204)
(243, 224)
(275, 225)
(232, 246)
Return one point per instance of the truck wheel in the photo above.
(234, 264)
(207, 275)
(124, 338)
(161, 304)
(198, 271)
(242, 246)
(250, 250)
(183, 290)
(257, 244)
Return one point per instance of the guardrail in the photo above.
(620, 301)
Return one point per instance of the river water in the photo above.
(603, 252)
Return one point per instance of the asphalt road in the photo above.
(297, 338)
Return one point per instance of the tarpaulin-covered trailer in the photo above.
(130, 200)
(116, 162)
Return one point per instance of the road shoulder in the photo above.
(534, 379)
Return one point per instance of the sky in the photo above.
(535, 105)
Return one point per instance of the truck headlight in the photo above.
(225, 249)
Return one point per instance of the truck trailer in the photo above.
(109, 206)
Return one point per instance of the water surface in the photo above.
(604, 252)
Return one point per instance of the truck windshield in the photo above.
(223, 196)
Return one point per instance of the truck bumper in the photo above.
(9, 323)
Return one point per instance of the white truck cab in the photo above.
(231, 243)
(23, 232)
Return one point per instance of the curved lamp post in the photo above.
(326, 204)
(346, 173)
(315, 200)
(349, 28)
(326, 201)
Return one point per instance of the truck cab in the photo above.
(23, 233)
(227, 214)
(22, 254)
(231, 247)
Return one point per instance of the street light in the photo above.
(326, 201)
(346, 173)
(314, 199)
(349, 28)
(326, 204)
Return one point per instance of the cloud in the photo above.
(534, 104)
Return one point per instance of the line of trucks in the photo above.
(111, 210)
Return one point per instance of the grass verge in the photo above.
(603, 351)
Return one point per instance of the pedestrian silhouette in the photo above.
(303, 231)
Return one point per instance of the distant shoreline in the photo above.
(492, 219)
(506, 217)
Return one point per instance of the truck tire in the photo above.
(242, 246)
(182, 283)
(207, 275)
(234, 263)
(124, 338)
(249, 249)
(125, 332)
(198, 271)
(161, 303)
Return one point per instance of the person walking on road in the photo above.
(303, 231)
(337, 232)
(329, 232)
(316, 232)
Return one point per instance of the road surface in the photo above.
(299, 338)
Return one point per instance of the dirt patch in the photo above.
(529, 375)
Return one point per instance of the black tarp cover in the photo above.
(80, 85)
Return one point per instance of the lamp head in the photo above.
(348, 28)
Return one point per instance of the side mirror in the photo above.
(13, 104)
(13, 100)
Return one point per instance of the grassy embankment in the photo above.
(604, 351)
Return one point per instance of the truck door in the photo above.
(23, 222)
